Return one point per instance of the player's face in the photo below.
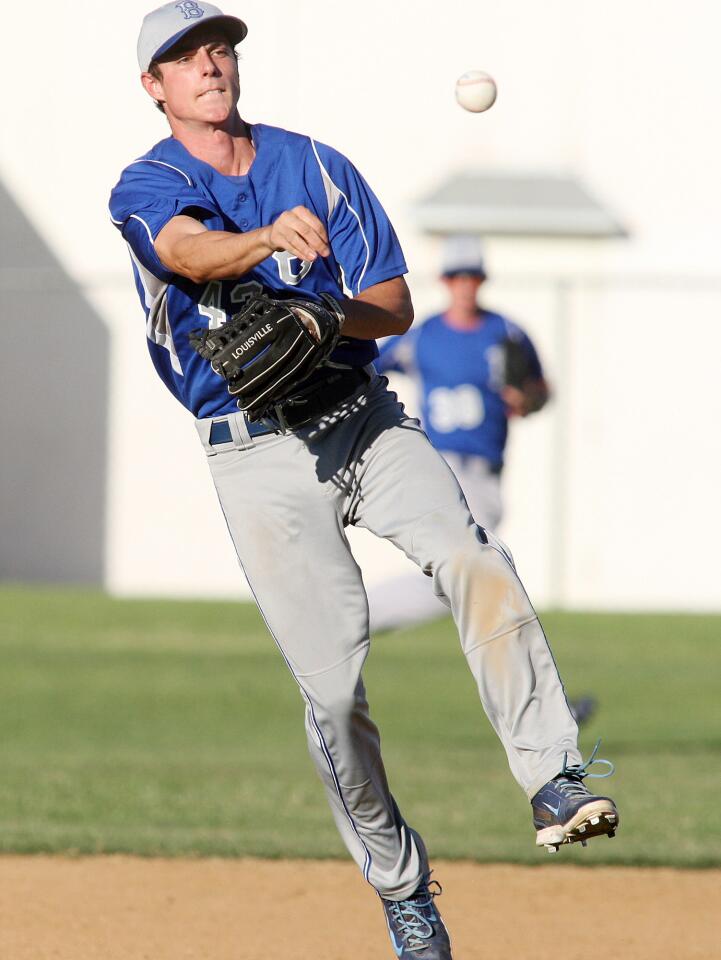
(199, 80)
(463, 290)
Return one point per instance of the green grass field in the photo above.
(174, 728)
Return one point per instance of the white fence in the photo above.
(611, 492)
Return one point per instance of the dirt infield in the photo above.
(124, 908)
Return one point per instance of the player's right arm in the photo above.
(186, 246)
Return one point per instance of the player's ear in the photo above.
(153, 86)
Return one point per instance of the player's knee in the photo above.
(483, 555)
(342, 707)
(457, 540)
(440, 534)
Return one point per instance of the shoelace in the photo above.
(576, 774)
(413, 926)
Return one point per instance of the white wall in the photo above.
(624, 95)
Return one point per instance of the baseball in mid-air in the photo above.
(476, 91)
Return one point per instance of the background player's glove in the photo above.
(523, 392)
(270, 347)
(517, 364)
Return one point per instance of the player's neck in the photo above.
(461, 318)
(229, 149)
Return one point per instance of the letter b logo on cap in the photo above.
(190, 9)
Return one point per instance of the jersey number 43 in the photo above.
(209, 304)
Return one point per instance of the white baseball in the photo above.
(476, 91)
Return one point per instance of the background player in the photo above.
(213, 214)
(457, 361)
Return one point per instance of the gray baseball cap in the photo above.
(162, 28)
(463, 254)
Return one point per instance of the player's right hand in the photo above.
(299, 232)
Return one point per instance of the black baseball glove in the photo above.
(528, 392)
(518, 370)
(270, 347)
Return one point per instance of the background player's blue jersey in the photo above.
(288, 170)
(460, 374)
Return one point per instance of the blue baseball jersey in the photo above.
(461, 375)
(288, 170)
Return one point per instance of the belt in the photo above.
(220, 431)
(304, 407)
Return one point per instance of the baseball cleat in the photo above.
(565, 811)
(415, 926)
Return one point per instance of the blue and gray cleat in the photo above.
(564, 811)
(415, 926)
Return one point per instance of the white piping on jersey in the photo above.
(344, 283)
(333, 193)
(162, 163)
(134, 216)
(157, 328)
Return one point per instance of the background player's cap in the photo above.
(463, 254)
(163, 27)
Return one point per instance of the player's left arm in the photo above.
(383, 310)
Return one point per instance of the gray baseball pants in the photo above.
(287, 500)
(409, 599)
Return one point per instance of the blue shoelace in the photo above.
(413, 926)
(576, 774)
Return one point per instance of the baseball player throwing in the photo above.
(266, 268)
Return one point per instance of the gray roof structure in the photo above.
(526, 205)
